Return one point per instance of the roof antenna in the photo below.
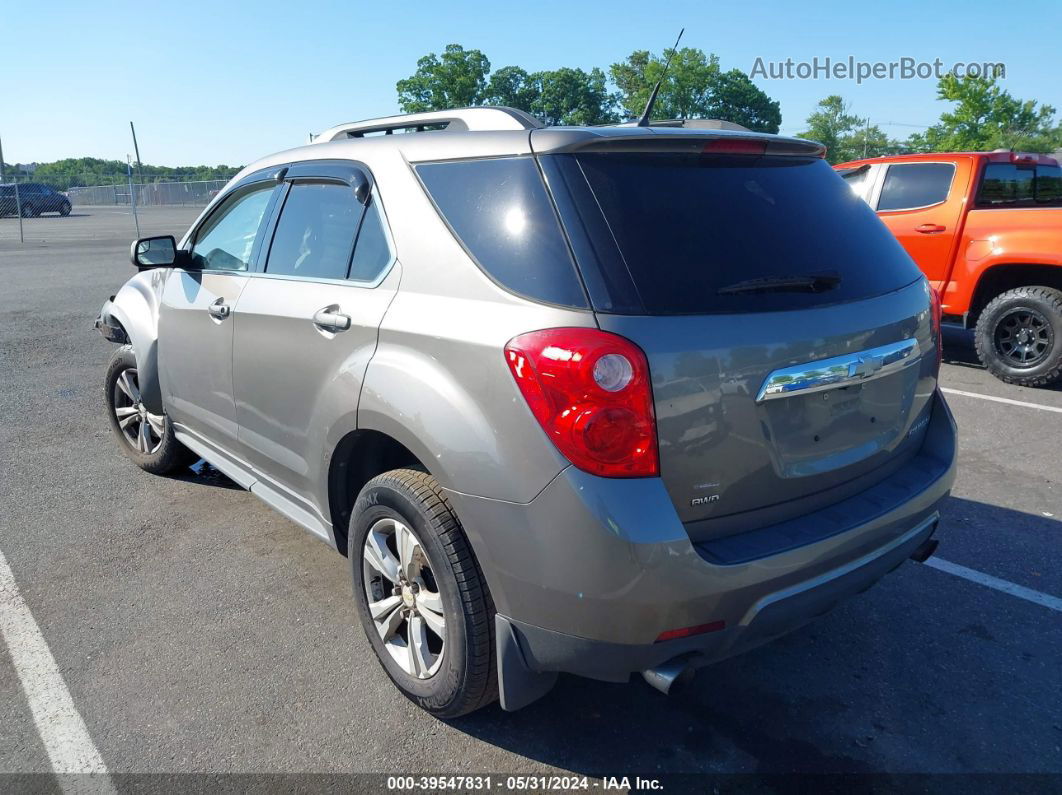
(643, 121)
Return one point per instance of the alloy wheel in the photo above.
(1023, 337)
(143, 430)
(404, 599)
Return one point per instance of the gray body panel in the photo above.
(572, 560)
(197, 389)
(297, 383)
(632, 571)
(717, 441)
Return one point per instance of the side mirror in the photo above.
(155, 252)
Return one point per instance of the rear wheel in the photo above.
(421, 597)
(146, 438)
(1019, 336)
(27, 211)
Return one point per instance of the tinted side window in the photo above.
(315, 234)
(225, 240)
(856, 180)
(911, 185)
(1007, 184)
(500, 211)
(371, 253)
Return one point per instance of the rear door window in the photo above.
(1013, 185)
(662, 233)
(909, 186)
(372, 252)
(314, 238)
(500, 212)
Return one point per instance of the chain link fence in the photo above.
(36, 212)
(147, 195)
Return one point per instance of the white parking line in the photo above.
(995, 399)
(62, 730)
(1020, 591)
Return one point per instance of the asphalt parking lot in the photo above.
(197, 630)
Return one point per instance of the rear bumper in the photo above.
(591, 572)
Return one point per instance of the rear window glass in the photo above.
(501, 213)
(912, 185)
(663, 233)
(1007, 185)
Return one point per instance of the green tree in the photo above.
(845, 135)
(572, 96)
(694, 87)
(457, 79)
(80, 171)
(987, 117)
(513, 87)
(736, 98)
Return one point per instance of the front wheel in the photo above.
(27, 210)
(146, 438)
(1019, 336)
(64, 210)
(423, 603)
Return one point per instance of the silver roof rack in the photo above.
(486, 117)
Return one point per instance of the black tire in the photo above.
(64, 210)
(1019, 336)
(466, 678)
(169, 455)
(27, 210)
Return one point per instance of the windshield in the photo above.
(662, 233)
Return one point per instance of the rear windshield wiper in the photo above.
(809, 283)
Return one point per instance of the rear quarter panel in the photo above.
(438, 382)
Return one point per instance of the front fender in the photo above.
(135, 310)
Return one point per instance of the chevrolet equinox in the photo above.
(596, 400)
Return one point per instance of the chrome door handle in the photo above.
(219, 309)
(331, 319)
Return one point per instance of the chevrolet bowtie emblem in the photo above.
(865, 366)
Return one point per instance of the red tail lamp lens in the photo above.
(590, 392)
(735, 146)
(937, 313)
(685, 632)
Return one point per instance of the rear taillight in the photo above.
(935, 309)
(590, 392)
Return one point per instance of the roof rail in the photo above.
(486, 117)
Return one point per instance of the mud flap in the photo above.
(518, 685)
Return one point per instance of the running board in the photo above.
(246, 478)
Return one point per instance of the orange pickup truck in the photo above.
(986, 229)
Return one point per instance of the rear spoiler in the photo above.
(667, 139)
(844, 172)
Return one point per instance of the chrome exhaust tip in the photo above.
(663, 677)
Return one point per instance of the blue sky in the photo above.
(225, 82)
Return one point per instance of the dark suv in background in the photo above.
(34, 199)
